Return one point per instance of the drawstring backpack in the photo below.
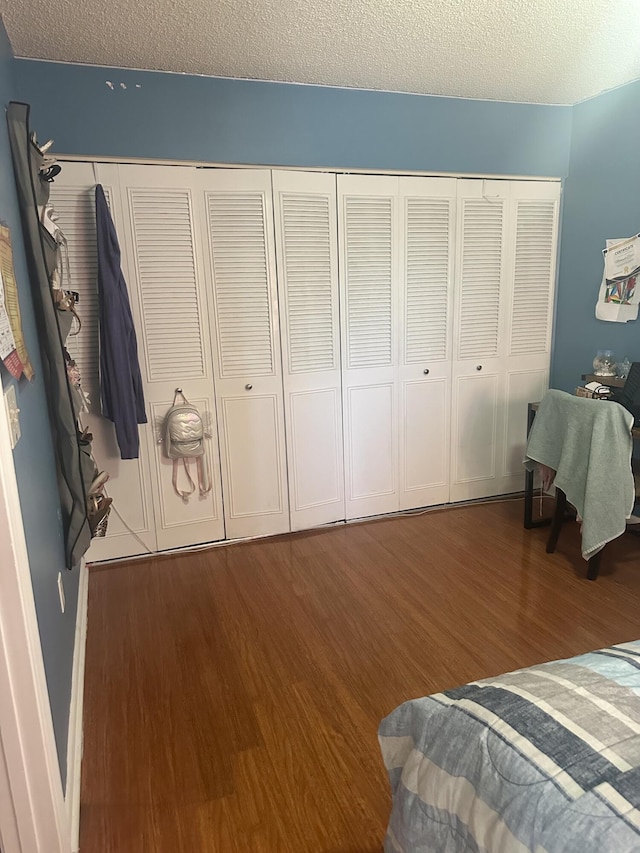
(183, 433)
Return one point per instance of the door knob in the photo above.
(426, 371)
(478, 367)
(248, 386)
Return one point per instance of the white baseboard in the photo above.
(74, 744)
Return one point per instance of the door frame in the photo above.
(28, 750)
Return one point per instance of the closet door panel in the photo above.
(426, 308)
(236, 212)
(425, 440)
(163, 254)
(372, 468)
(73, 196)
(306, 252)
(532, 262)
(165, 263)
(534, 237)
(481, 268)
(523, 386)
(252, 449)
(315, 438)
(478, 407)
(369, 266)
(478, 430)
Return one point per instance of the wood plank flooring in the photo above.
(232, 696)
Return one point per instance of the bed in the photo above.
(545, 759)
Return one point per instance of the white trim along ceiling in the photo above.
(550, 52)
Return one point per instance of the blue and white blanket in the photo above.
(545, 759)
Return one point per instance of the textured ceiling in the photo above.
(538, 51)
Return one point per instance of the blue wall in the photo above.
(35, 467)
(601, 201)
(183, 117)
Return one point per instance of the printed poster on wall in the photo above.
(619, 295)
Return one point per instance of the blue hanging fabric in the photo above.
(120, 380)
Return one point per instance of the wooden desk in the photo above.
(529, 522)
(611, 381)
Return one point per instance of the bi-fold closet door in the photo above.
(397, 238)
(504, 295)
(241, 284)
(156, 211)
(130, 485)
(307, 262)
(273, 286)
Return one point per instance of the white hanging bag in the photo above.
(183, 440)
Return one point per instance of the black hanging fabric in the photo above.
(75, 467)
(120, 380)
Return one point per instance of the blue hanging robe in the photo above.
(120, 380)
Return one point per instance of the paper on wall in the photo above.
(8, 352)
(11, 303)
(619, 295)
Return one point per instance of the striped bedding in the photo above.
(545, 759)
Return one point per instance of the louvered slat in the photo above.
(306, 244)
(480, 278)
(427, 278)
(165, 261)
(533, 277)
(241, 281)
(368, 250)
(77, 219)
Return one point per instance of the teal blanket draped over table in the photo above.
(588, 444)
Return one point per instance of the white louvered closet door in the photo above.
(237, 216)
(533, 238)
(164, 261)
(506, 272)
(73, 196)
(479, 339)
(307, 260)
(369, 293)
(426, 308)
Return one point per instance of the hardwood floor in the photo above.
(232, 696)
